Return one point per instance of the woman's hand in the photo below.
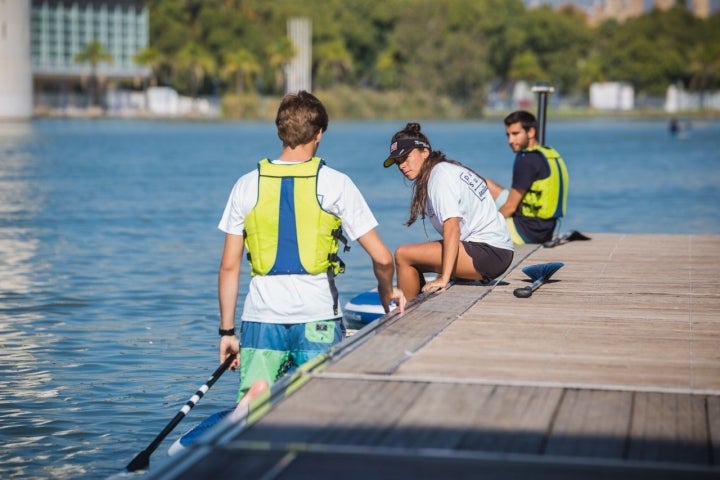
(435, 285)
(399, 297)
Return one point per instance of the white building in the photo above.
(16, 96)
(612, 96)
(60, 29)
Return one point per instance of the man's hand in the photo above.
(230, 345)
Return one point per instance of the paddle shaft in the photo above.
(527, 291)
(556, 241)
(142, 459)
(542, 91)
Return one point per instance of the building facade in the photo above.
(62, 29)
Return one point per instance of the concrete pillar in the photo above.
(16, 97)
(299, 70)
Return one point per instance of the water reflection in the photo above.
(25, 385)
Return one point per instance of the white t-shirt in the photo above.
(297, 298)
(454, 191)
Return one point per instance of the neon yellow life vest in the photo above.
(547, 198)
(288, 232)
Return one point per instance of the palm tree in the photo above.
(280, 54)
(150, 57)
(243, 66)
(94, 53)
(704, 68)
(334, 62)
(198, 62)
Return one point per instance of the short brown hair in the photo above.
(299, 118)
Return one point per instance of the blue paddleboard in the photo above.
(194, 433)
(363, 309)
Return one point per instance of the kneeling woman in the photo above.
(475, 241)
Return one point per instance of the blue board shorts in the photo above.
(270, 350)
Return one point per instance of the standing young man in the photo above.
(290, 214)
(538, 195)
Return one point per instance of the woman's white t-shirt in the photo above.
(454, 191)
(297, 298)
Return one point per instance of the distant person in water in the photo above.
(291, 214)
(537, 197)
(674, 126)
(475, 244)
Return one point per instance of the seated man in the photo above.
(538, 195)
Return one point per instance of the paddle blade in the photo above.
(575, 235)
(140, 462)
(542, 271)
(568, 237)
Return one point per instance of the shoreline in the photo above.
(493, 115)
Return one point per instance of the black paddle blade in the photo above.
(568, 237)
(543, 271)
(140, 462)
(575, 235)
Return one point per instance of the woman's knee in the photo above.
(402, 254)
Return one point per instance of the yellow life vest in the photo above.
(547, 197)
(287, 231)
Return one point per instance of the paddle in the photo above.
(142, 459)
(538, 274)
(568, 237)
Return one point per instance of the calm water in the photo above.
(109, 251)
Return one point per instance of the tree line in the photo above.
(452, 49)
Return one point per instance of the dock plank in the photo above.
(669, 428)
(591, 423)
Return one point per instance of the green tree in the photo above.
(651, 51)
(446, 56)
(386, 70)
(439, 49)
(704, 68)
(525, 66)
(242, 66)
(197, 62)
(152, 58)
(333, 63)
(559, 40)
(94, 53)
(280, 53)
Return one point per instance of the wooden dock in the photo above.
(610, 370)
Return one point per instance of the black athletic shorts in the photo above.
(490, 261)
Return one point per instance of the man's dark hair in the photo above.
(526, 118)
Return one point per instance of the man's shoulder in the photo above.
(332, 174)
(249, 175)
(532, 159)
(532, 155)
